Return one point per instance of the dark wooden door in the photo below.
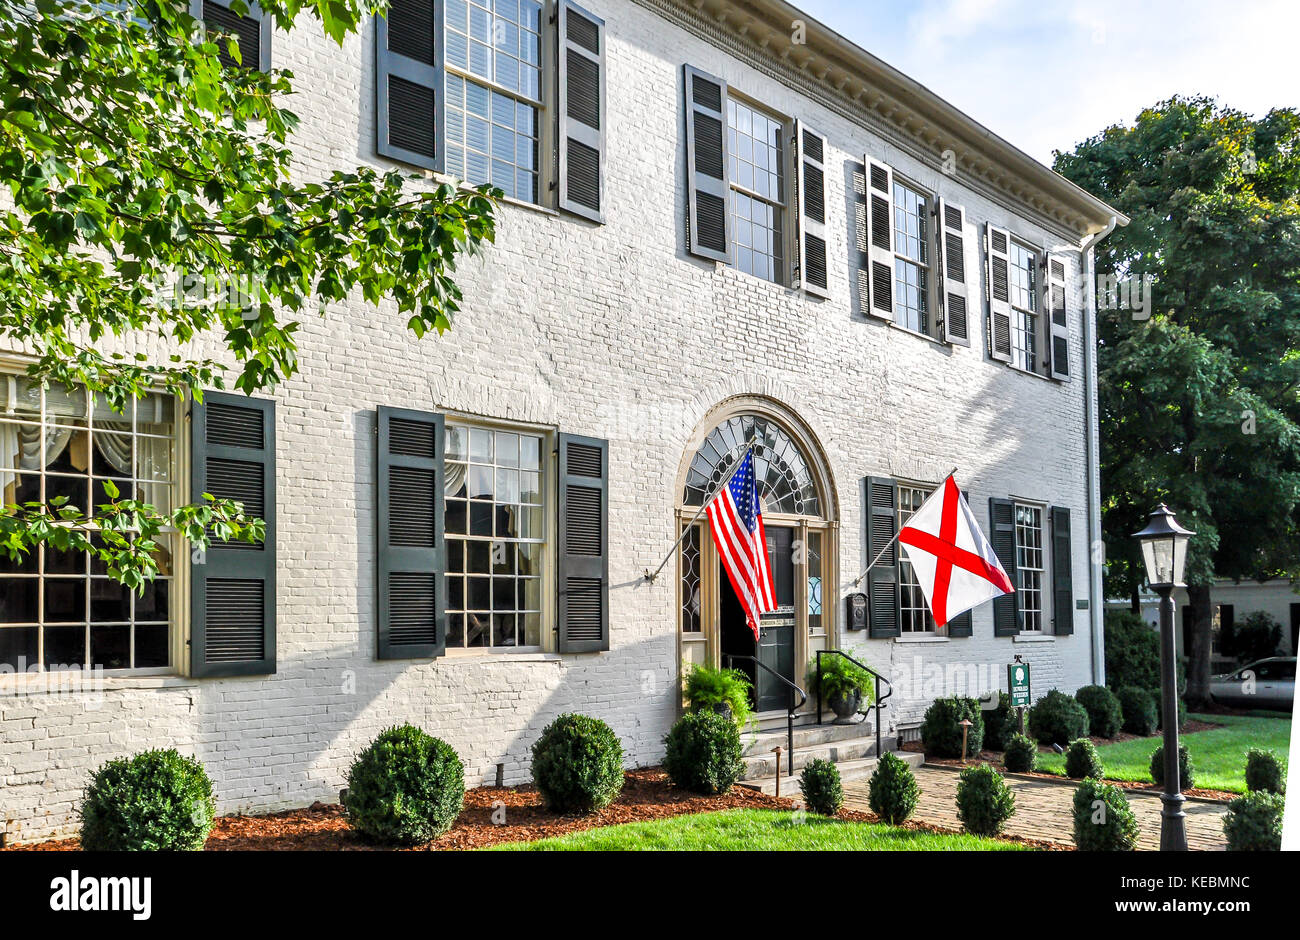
(776, 631)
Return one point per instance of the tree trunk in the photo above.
(1198, 657)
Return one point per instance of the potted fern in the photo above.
(845, 686)
(725, 691)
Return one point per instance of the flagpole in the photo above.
(897, 530)
(749, 448)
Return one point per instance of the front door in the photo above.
(775, 645)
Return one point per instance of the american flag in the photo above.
(736, 521)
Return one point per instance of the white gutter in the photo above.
(1091, 439)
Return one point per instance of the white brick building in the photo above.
(599, 333)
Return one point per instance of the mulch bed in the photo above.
(647, 794)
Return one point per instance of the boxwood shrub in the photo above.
(703, 752)
(1265, 771)
(1103, 820)
(1186, 773)
(1021, 755)
(1056, 718)
(984, 801)
(892, 792)
(1253, 822)
(1105, 715)
(999, 724)
(1082, 760)
(578, 764)
(941, 729)
(821, 788)
(406, 788)
(158, 800)
(1139, 709)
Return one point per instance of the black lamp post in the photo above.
(1164, 552)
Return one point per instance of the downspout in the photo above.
(1091, 439)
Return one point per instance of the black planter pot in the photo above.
(844, 707)
(721, 708)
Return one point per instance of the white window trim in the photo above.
(1043, 571)
(1040, 337)
(787, 214)
(931, 297)
(914, 636)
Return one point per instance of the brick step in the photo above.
(841, 751)
(804, 736)
(860, 769)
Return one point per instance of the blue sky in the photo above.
(1045, 74)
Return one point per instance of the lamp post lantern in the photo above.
(1164, 553)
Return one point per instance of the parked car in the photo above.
(1266, 683)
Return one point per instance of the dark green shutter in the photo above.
(408, 82)
(252, 28)
(810, 169)
(707, 182)
(583, 569)
(962, 625)
(1062, 573)
(1002, 533)
(581, 81)
(232, 584)
(882, 580)
(1058, 333)
(411, 561)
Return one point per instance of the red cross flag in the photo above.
(954, 563)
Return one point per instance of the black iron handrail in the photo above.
(879, 699)
(789, 714)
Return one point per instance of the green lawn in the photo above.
(757, 830)
(1218, 756)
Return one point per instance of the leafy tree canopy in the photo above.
(141, 174)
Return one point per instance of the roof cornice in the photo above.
(864, 89)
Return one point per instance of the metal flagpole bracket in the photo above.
(651, 576)
(897, 529)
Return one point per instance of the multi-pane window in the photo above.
(1024, 307)
(915, 616)
(495, 525)
(493, 93)
(755, 142)
(816, 584)
(690, 587)
(60, 608)
(1029, 564)
(911, 259)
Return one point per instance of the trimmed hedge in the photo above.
(1021, 755)
(578, 764)
(821, 788)
(1253, 822)
(1082, 760)
(999, 724)
(1139, 709)
(406, 788)
(1265, 772)
(703, 752)
(158, 800)
(1056, 718)
(984, 801)
(941, 729)
(1103, 819)
(1105, 716)
(1186, 773)
(892, 792)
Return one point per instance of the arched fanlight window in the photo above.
(784, 479)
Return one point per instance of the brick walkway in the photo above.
(1043, 810)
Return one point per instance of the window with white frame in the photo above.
(494, 106)
(914, 612)
(496, 536)
(60, 608)
(1023, 285)
(757, 173)
(1029, 565)
(911, 258)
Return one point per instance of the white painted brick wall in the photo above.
(611, 331)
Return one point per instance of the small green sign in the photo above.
(1018, 684)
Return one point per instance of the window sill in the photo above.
(1033, 637)
(479, 656)
(922, 638)
(910, 332)
(1034, 375)
(87, 682)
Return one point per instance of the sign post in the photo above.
(1018, 688)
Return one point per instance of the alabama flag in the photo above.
(954, 563)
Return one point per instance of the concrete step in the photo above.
(804, 736)
(860, 769)
(838, 752)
